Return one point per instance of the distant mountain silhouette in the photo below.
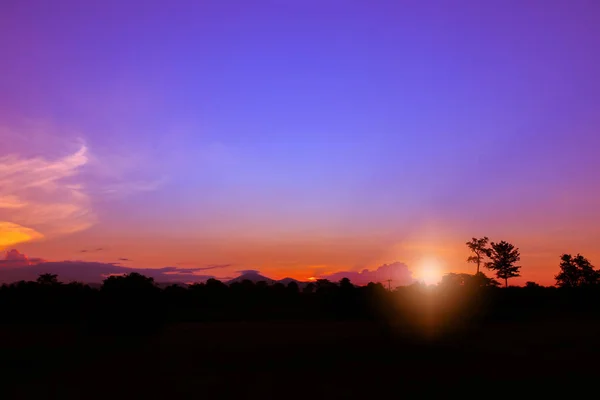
(255, 276)
(252, 276)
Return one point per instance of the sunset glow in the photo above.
(430, 272)
(309, 139)
(13, 234)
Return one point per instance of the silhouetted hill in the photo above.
(252, 276)
(255, 277)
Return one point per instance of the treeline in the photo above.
(134, 299)
(502, 258)
(135, 302)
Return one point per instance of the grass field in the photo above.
(300, 360)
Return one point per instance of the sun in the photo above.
(430, 273)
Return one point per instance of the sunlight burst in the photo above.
(430, 273)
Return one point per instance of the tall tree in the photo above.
(576, 272)
(479, 249)
(503, 257)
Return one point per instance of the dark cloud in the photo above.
(124, 259)
(248, 271)
(208, 267)
(91, 250)
(398, 272)
(216, 266)
(17, 266)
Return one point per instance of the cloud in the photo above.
(398, 272)
(14, 258)
(10, 202)
(215, 266)
(248, 271)
(17, 266)
(122, 189)
(40, 197)
(15, 255)
(119, 175)
(91, 250)
(218, 266)
(124, 259)
(43, 195)
(11, 234)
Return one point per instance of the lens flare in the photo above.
(430, 272)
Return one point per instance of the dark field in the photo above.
(302, 360)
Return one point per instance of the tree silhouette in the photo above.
(309, 288)
(47, 279)
(293, 288)
(130, 303)
(345, 284)
(503, 257)
(132, 282)
(482, 280)
(453, 279)
(532, 285)
(325, 286)
(576, 272)
(480, 250)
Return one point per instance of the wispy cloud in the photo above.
(128, 188)
(119, 175)
(208, 267)
(45, 196)
(211, 267)
(10, 202)
(42, 196)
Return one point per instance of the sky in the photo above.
(299, 138)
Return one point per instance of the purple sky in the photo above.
(300, 137)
